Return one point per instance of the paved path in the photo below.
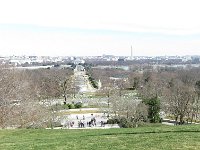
(81, 80)
(81, 109)
(85, 119)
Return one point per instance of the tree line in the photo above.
(173, 92)
(23, 91)
(134, 97)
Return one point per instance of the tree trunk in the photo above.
(181, 119)
(188, 116)
(192, 117)
(176, 119)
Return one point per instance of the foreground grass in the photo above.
(152, 137)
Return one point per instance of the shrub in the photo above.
(36, 126)
(113, 121)
(93, 82)
(56, 107)
(122, 122)
(71, 106)
(57, 124)
(65, 107)
(52, 124)
(125, 123)
(78, 105)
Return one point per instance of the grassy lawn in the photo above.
(152, 137)
(78, 112)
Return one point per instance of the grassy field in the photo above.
(152, 137)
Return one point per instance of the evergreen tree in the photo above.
(153, 109)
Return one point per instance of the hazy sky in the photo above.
(96, 27)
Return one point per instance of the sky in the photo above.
(96, 27)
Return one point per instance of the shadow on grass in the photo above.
(150, 132)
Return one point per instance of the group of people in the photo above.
(69, 124)
(103, 123)
(81, 124)
(91, 123)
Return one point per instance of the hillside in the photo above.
(152, 137)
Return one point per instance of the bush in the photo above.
(122, 122)
(71, 106)
(65, 107)
(53, 124)
(125, 123)
(93, 82)
(36, 126)
(56, 107)
(113, 121)
(78, 105)
(57, 124)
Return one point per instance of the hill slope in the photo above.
(153, 137)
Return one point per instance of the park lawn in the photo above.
(142, 138)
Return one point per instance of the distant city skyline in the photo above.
(94, 27)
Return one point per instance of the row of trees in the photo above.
(175, 92)
(23, 91)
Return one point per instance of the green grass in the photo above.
(152, 137)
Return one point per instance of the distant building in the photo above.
(121, 60)
(79, 68)
(78, 61)
(99, 85)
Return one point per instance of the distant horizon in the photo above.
(101, 55)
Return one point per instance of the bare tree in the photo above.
(179, 99)
(18, 104)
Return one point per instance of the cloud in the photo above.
(93, 27)
(170, 17)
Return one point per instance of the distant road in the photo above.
(33, 67)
